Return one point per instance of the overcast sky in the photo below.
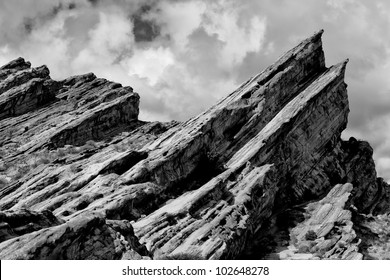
(182, 56)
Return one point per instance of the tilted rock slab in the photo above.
(247, 200)
(23, 89)
(203, 188)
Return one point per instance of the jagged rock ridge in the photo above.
(77, 165)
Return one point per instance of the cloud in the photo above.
(39, 44)
(109, 41)
(205, 43)
(178, 20)
(238, 37)
(339, 4)
(150, 63)
(222, 19)
(145, 30)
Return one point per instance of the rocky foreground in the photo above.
(261, 174)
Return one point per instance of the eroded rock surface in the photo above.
(327, 232)
(19, 222)
(208, 188)
(88, 237)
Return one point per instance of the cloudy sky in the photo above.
(183, 55)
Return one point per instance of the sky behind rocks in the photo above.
(182, 56)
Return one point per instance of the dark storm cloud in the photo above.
(28, 25)
(204, 48)
(145, 30)
(94, 3)
(72, 6)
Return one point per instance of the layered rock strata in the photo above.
(87, 237)
(17, 223)
(207, 188)
(23, 88)
(327, 232)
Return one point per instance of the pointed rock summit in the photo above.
(261, 174)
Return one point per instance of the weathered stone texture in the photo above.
(327, 232)
(91, 181)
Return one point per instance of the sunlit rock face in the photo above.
(81, 177)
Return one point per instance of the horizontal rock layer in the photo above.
(116, 187)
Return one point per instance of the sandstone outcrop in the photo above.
(23, 89)
(327, 232)
(91, 181)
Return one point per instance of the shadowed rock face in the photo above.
(20, 222)
(116, 187)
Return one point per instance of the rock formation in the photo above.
(327, 232)
(263, 173)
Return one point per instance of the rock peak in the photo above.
(320, 32)
(18, 63)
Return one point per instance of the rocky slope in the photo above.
(261, 174)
